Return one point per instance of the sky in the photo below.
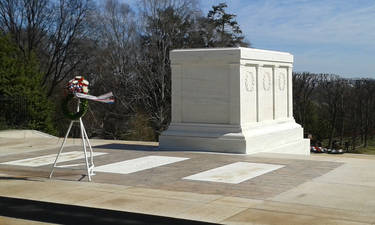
(325, 36)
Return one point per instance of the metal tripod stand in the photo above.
(89, 163)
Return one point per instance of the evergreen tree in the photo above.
(226, 28)
(23, 100)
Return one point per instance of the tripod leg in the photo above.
(61, 148)
(84, 149)
(91, 152)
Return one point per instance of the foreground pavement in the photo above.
(137, 184)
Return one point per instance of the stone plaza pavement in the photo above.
(319, 189)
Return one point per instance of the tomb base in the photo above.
(280, 137)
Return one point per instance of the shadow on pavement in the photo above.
(69, 214)
(129, 147)
(13, 178)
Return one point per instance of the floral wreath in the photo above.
(76, 85)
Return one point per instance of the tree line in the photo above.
(335, 110)
(124, 49)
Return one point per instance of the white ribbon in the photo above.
(105, 98)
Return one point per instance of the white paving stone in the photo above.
(49, 159)
(234, 173)
(138, 164)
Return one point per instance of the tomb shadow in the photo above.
(134, 147)
(139, 147)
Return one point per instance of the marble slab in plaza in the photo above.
(49, 159)
(234, 100)
(234, 173)
(138, 164)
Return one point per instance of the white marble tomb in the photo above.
(233, 100)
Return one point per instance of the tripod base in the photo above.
(85, 140)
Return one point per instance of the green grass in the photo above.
(370, 148)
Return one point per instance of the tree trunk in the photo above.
(332, 133)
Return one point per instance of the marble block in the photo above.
(234, 100)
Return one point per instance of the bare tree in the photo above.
(166, 26)
(366, 93)
(50, 29)
(113, 67)
(28, 22)
(304, 85)
(331, 95)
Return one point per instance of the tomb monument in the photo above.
(233, 100)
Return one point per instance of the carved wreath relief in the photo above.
(249, 81)
(267, 81)
(282, 81)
